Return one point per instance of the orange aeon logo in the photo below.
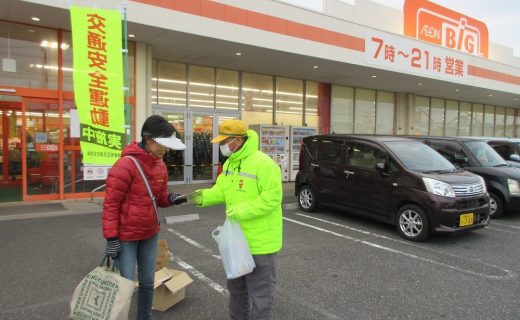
(433, 23)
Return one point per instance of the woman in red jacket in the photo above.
(130, 219)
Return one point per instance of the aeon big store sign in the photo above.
(433, 23)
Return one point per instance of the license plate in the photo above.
(466, 219)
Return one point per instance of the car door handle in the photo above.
(314, 165)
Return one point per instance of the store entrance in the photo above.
(200, 161)
(10, 151)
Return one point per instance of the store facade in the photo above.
(200, 62)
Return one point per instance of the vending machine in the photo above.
(274, 141)
(295, 137)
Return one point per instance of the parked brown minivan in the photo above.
(393, 179)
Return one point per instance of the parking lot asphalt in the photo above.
(333, 266)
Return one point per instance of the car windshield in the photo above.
(417, 156)
(485, 155)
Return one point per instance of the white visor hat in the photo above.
(171, 142)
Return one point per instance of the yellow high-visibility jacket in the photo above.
(251, 184)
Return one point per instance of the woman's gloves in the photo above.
(113, 247)
(176, 198)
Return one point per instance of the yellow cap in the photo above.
(230, 128)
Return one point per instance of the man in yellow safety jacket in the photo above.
(251, 187)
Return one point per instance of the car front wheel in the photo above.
(307, 199)
(412, 223)
(495, 206)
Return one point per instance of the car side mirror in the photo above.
(380, 166)
(460, 160)
(514, 157)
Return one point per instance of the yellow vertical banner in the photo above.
(98, 83)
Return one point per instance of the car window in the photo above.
(451, 150)
(417, 156)
(485, 155)
(503, 150)
(329, 150)
(311, 145)
(364, 156)
(393, 167)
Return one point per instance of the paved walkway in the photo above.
(52, 208)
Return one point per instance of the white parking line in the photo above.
(324, 313)
(212, 284)
(217, 287)
(194, 243)
(407, 243)
(508, 273)
(502, 230)
(504, 225)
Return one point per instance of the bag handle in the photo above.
(145, 179)
(216, 233)
(115, 264)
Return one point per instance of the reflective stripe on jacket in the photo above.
(251, 185)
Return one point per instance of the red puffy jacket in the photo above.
(128, 211)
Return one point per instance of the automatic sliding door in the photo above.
(200, 161)
(175, 159)
(202, 151)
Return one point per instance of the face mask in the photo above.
(226, 152)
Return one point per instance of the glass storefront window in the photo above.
(33, 56)
(43, 134)
(201, 87)
(365, 111)
(154, 90)
(311, 104)
(465, 119)
(517, 131)
(257, 98)
(436, 117)
(171, 83)
(342, 110)
(489, 120)
(68, 83)
(477, 120)
(131, 66)
(227, 90)
(452, 117)
(510, 121)
(289, 102)
(422, 115)
(385, 112)
(500, 119)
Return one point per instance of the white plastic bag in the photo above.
(234, 250)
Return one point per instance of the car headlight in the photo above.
(514, 186)
(483, 182)
(438, 187)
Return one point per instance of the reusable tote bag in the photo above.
(234, 250)
(102, 295)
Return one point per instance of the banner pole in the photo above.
(128, 125)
